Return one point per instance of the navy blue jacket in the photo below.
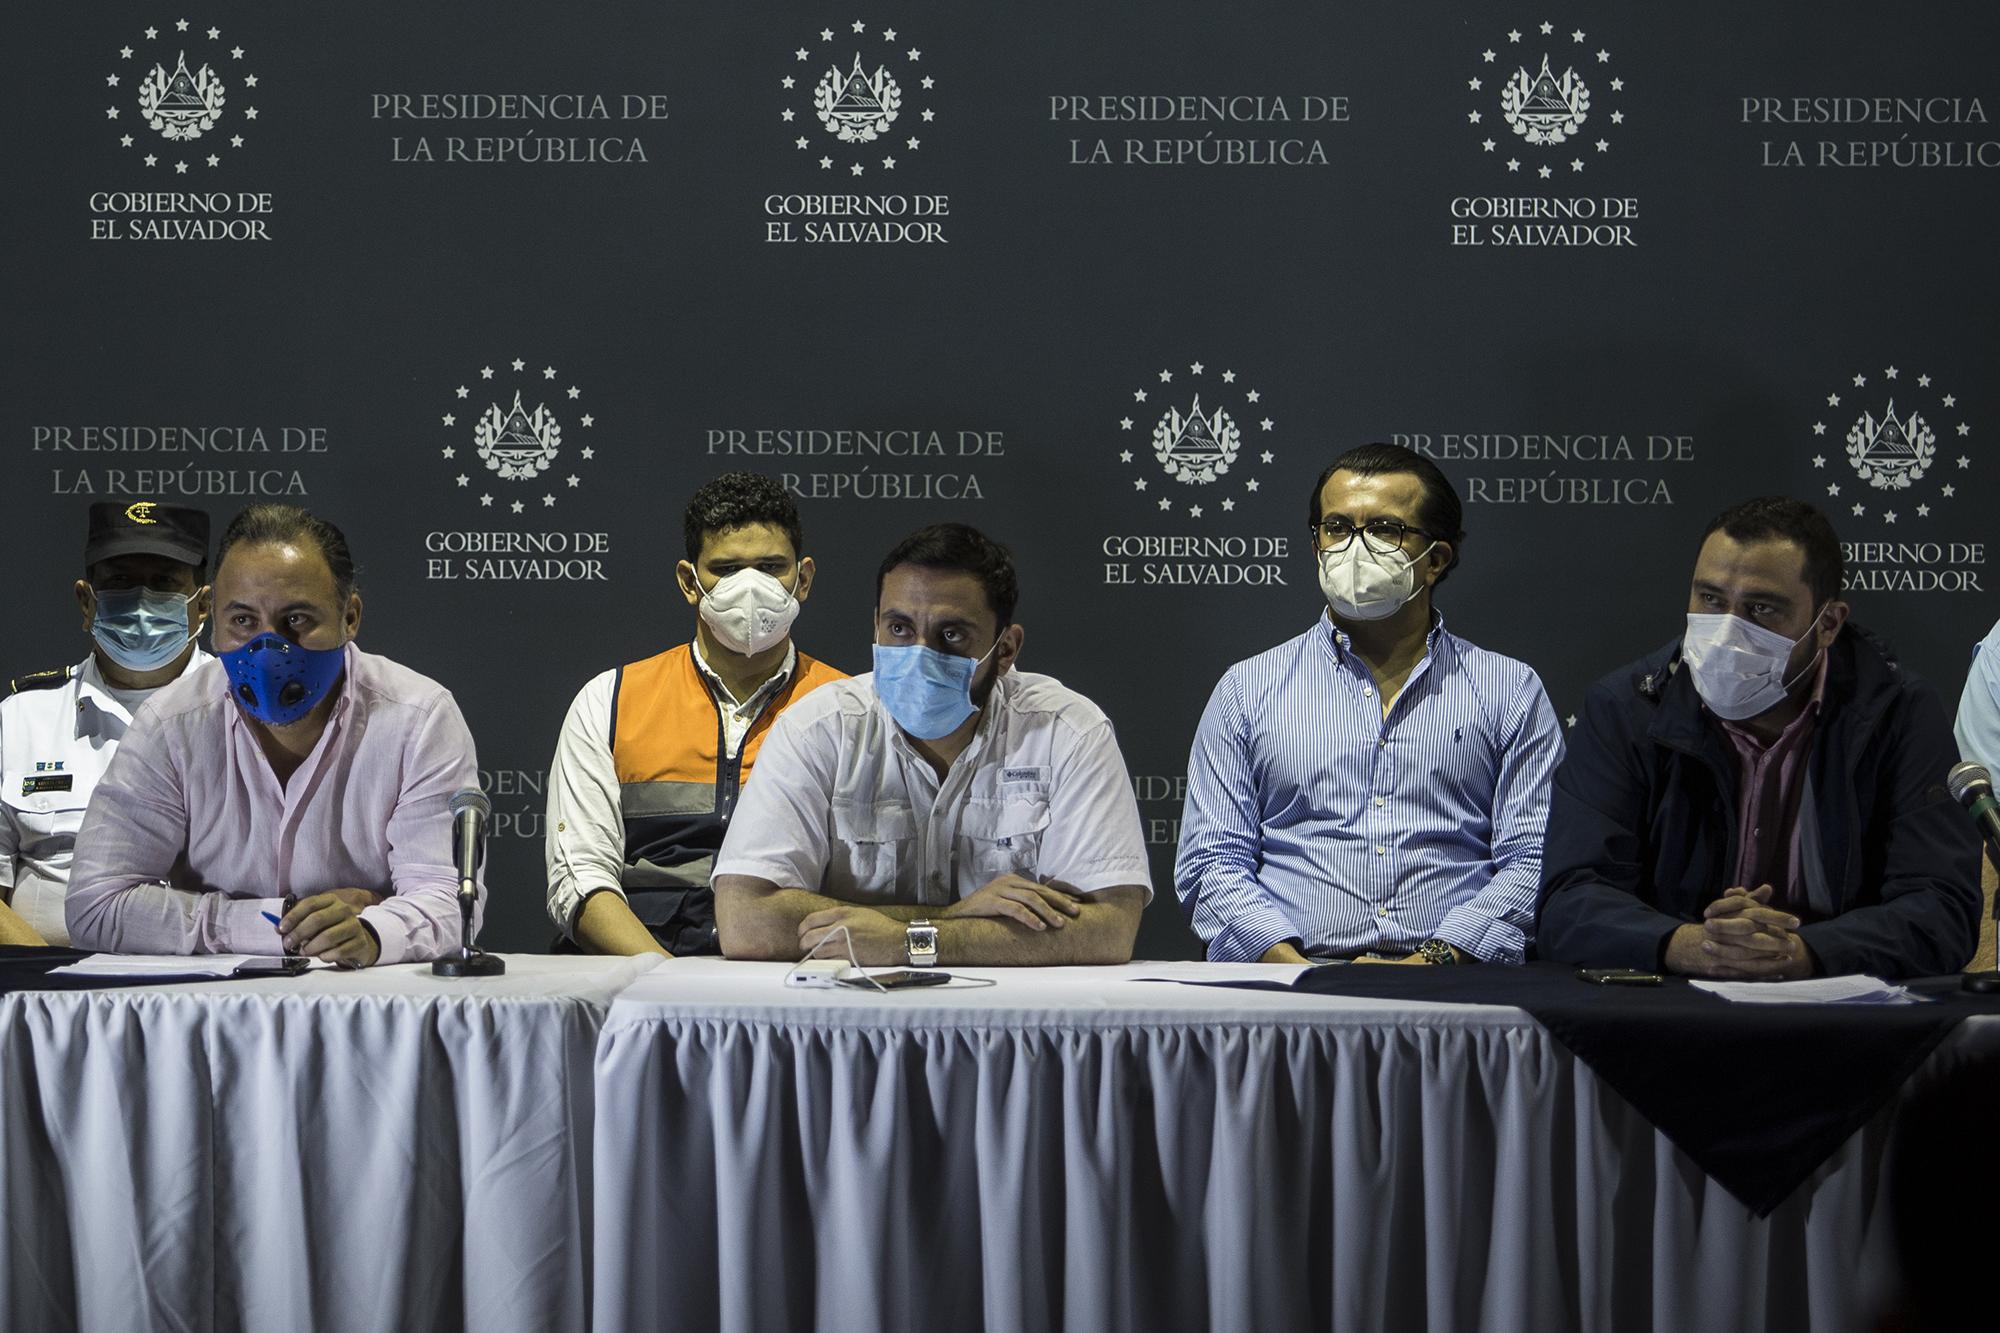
(1642, 826)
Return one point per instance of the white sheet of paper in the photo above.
(159, 965)
(1814, 990)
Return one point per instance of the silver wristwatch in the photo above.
(920, 943)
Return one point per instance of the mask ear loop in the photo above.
(1805, 670)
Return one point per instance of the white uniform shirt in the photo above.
(841, 803)
(585, 847)
(68, 731)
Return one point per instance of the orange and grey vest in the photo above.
(677, 785)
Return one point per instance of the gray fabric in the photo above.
(639, 800)
(645, 874)
(366, 1150)
(1072, 1149)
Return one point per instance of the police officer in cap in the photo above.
(144, 599)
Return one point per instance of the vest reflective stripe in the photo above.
(638, 799)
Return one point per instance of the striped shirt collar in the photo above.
(1339, 644)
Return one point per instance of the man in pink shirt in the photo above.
(295, 777)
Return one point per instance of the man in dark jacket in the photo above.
(1763, 798)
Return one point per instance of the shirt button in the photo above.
(1380, 851)
(1367, 692)
(1381, 741)
(1378, 800)
(1381, 911)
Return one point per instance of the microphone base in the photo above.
(1981, 983)
(477, 963)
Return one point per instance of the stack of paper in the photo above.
(1817, 990)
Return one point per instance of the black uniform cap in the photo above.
(147, 527)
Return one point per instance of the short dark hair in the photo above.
(281, 524)
(737, 500)
(1442, 510)
(1779, 518)
(962, 547)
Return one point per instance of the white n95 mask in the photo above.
(748, 611)
(1361, 584)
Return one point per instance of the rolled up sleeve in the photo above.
(585, 841)
(781, 829)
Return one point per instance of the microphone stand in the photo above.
(469, 961)
(1984, 983)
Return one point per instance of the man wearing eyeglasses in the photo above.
(1375, 789)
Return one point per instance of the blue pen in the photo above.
(272, 919)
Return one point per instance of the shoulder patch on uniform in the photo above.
(39, 680)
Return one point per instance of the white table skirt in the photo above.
(1075, 1149)
(369, 1150)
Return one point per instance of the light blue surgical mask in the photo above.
(141, 629)
(929, 693)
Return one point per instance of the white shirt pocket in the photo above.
(878, 842)
(45, 821)
(1003, 835)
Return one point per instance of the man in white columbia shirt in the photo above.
(945, 809)
(143, 601)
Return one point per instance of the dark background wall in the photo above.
(1766, 226)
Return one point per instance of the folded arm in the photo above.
(762, 920)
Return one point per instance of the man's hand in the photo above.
(328, 925)
(1741, 938)
(1284, 951)
(877, 940)
(1013, 898)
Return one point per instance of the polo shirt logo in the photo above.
(1036, 774)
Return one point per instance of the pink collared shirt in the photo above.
(1771, 784)
(190, 838)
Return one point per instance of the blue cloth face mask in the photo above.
(278, 682)
(140, 629)
(929, 693)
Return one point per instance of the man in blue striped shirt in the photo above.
(1376, 787)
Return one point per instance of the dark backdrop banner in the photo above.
(496, 287)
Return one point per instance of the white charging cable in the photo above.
(852, 962)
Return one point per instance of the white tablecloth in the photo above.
(367, 1150)
(1076, 1149)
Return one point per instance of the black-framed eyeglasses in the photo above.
(1380, 535)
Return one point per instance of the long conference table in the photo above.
(613, 1144)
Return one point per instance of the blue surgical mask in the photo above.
(140, 629)
(278, 682)
(929, 693)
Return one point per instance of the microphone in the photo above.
(1972, 787)
(469, 812)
